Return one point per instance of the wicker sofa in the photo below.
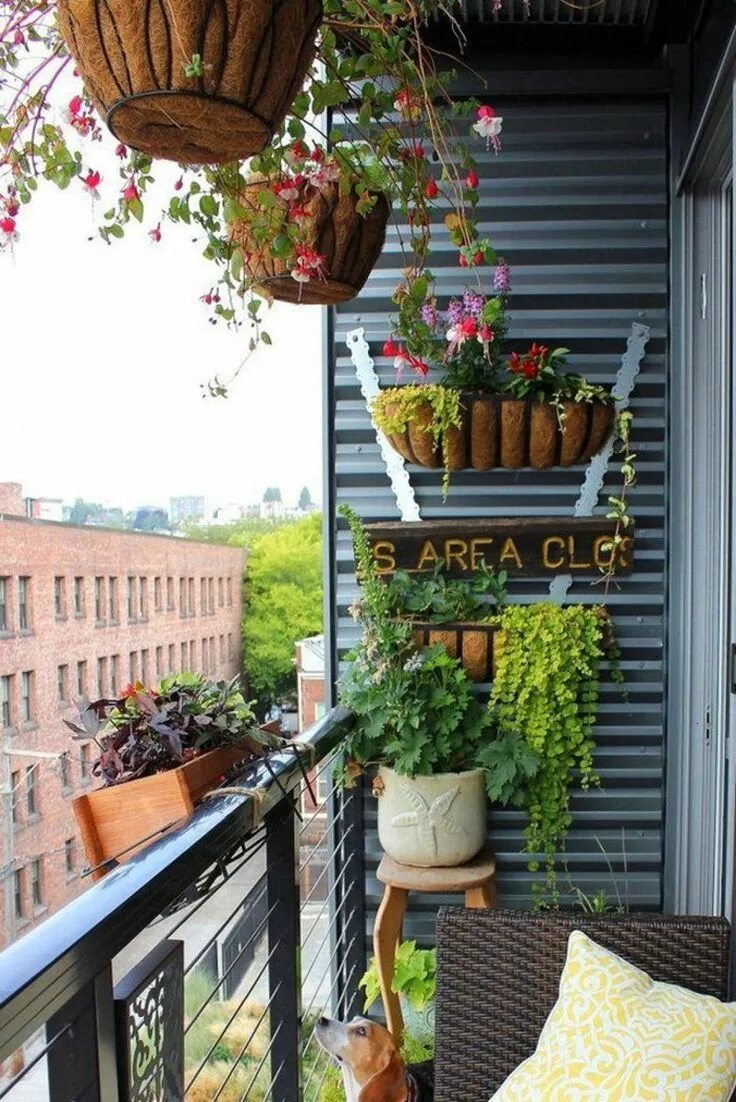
(499, 971)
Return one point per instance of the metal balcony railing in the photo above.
(198, 969)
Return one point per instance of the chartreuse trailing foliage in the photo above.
(546, 692)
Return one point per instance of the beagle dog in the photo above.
(372, 1069)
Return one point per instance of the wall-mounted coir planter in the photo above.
(473, 643)
(350, 243)
(134, 55)
(501, 431)
(119, 820)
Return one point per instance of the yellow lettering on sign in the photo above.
(575, 565)
(547, 545)
(427, 556)
(508, 551)
(601, 545)
(455, 552)
(384, 557)
(476, 555)
(624, 559)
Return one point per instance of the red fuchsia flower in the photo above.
(208, 298)
(473, 262)
(19, 39)
(8, 230)
(131, 192)
(179, 184)
(403, 359)
(472, 180)
(486, 334)
(327, 173)
(91, 183)
(155, 234)
(121, 151)
(11, 207)
(317, 155)
(489, 126)
(391, 348)
(413, 151)
(297, 151)
(308, 264)
(408, 105)
(431, 190)
(288, 190)
(298, 214)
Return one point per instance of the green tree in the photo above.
(272, 493)
(305, 498)
(283, 603)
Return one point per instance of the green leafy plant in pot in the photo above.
(415, 982)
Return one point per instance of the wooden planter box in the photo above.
(350, 242)
(133, 56)
(500, 431)
(118, 820)
(473, 643)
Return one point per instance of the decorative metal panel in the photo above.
(577, 202)
(616, 13)
(149, 1014)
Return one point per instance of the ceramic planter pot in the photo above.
(118, 820)
(473, 643)
(437, 821)
(132, 55)
(418, 1023)
(501, 431)
(350, 243)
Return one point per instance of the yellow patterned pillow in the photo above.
(614, 1035)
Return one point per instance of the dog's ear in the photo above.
(387, 1085)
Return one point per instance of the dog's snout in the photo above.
(323, 1022)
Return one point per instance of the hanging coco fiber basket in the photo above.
(349, 242)
(251, 58)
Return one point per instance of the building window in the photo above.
(81, 678)
(84, 762)
(170, 594)
(79, 596)
(4, 612)
(182, 596)
(18, 892)
(192, 609)
(24, 605)
(131, 598)
(221, 591)
(115, 674)
(31, 790)
(143, 597)
(205, 656)
(213, 655)
(26, 696)
(69, 856)
(6, 702)
(230, 644)
(193, 656)
(15, 783)
(60, 597)
(99, 600)
(159, 662)
(62, 683)
(133, 667)
(144, 667)
(112, 598)
(229, 591)
(64, 774)
(202, 596)
(36, 883)
(158, 596)
(101, 676)
(172, 657)
(222, 648)
(184, 657)
(211, 593)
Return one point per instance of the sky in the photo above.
(103, 352)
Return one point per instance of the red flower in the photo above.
(475, 259)
(486, 112)
(415, 150)
(472, 180)
(318, 155)
(468, 327)
(416, 364)
(391, 348)
(155, 234)
(431, 190)
(7, 226)
(538, 351)
(19, 39)
(121, 151)
(92, 181)
(179, 184)
(75, 105)
(299, 149)
(486, 334)
(131, 192)
(11, 207)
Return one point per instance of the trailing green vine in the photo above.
(546, 691)
(395, 408)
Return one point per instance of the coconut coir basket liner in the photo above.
(500, 431)
(132, 56)
(350, 242)
(475, 644)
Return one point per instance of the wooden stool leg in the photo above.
(386, 931)
(482, 897)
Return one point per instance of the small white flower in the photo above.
(488, 127)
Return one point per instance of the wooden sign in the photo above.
(531, 547)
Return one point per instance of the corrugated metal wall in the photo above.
(577, 202)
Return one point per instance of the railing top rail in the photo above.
(41, 971)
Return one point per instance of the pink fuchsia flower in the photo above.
(403, 359)
(466, 329)
(91, 183)
(472, 180)
(308, 264)
(486, 335)
(74, 109)
(431, 190)
(121, 151)
(288, 190)
(489, 126)
(472, 261)
(131, 192)
(210, 297)
(19, 39)
(297, 152)
(179, 184)
(391, 348)
(8, 231)
(155, 234)
(298, 214)
(327, 173)
(408, 105)
(502, 278)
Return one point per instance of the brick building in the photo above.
(84, 611)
